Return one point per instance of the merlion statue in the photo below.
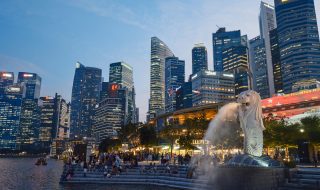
(246, 113)
(250, 119)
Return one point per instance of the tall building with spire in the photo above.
(159, 51)
(85, 96)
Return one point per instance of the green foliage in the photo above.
(109, 145)
(130, 134)
(311, 129)
(280, 133)
(148, 136)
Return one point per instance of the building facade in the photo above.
(184, 96)
(30, 111)
(276, 62)
(10, 111)
(223, 39)
(267, 22)
(258, 66)
(199, 58)
(174, 78)
(212, 87)
(298, 41)
(85, 96)
(122, 73)
(159, 51)
(111, 113)
(236, 61)
(6, 79)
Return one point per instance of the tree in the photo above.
(130, 134)
(108, 145)
(310, 130)
(148, 136)
(171, 132)
(279, 133)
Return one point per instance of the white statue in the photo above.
(250, 118)
(245, 113)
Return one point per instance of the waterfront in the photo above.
(23, 174)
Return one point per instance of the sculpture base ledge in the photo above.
(246, 160)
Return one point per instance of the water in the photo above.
(223, 123)
(23, 174)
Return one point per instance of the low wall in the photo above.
(247, 178)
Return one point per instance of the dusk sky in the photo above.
(49, 37)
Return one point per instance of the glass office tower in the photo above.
(298, 41)
(174, 78)
(159, 51)
(199, 58)
(85, 96)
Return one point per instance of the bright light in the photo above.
(7, 75)
(210, 73)
(28, 75)
(228, 75)
(301, 130)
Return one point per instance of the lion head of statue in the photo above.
(250, 103)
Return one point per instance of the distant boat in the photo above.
(41, 161)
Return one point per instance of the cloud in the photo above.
(14, 64)
(110, 9)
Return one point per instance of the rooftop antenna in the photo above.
(218, 26)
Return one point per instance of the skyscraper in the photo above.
(49, 121)
(258, 65)
(85, 96)
(122, 73)
(298, 41)
(199, 58)
(235, 60)
(184, 96)
(6, 79)
(221, 40)
(174, 78)
(159, 51)
(276, 63)
(267, 22)
(54, 119)
(104, 90)
(10, 110)
(212, 87)
(111, 113)
(32, 83)
(30, 111)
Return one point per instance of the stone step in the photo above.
(156, 177)
(307, 176)
(143, 183)
(182, 177)
(138, 181)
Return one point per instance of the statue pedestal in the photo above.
(245, 160)
(246, 178)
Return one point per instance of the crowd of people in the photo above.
(114, 164)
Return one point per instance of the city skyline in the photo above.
(38, 39)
